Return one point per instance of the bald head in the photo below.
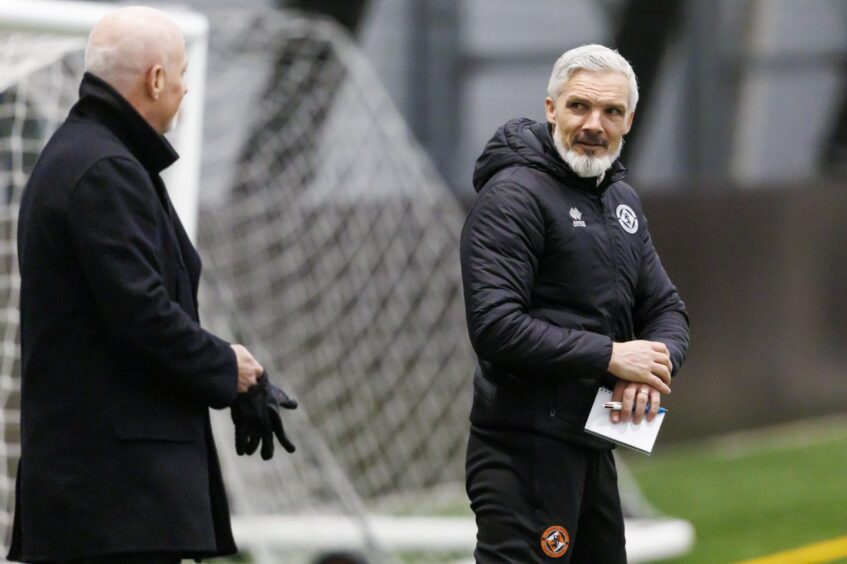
(138, 50)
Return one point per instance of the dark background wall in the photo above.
(763, 273)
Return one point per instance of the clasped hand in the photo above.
(644, 371)
(257, 419)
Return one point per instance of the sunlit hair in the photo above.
(591, 58)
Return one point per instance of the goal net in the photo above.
(330, 250)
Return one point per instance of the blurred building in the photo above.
(735, 92)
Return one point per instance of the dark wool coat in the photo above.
(555, 268)
(118, 377)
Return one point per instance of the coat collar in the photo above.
(101, 102)
(525, 142)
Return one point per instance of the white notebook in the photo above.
(640, 437)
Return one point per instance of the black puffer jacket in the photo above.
(555, 268)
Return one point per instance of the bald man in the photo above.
(118, 464)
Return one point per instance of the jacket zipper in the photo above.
(607, 219)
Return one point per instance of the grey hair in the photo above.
(591, 58)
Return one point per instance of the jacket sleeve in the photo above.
(659, 312)
(502, 243)
(113, 227)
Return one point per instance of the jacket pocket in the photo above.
(154, 412)
(150, 429)
(574, 398)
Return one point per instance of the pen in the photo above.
(617, 406)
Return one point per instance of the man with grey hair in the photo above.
(118, 463)
(564, 293)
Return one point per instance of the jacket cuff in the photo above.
(599, 362)
(223, 379)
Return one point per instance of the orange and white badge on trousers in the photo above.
(555, 541)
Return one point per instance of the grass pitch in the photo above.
(749, 495)
(753, 494)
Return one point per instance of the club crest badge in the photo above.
(555, 541)
(576, 216)
(627, 218)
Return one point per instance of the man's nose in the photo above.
(593, 122)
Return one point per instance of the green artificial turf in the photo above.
(753, 495)
(748, 495)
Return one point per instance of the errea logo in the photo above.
(576, 216)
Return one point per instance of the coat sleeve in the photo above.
(659, 312)
(502, 243)
(113, 227)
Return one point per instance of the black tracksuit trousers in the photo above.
(540, 499)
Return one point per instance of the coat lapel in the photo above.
(189, 260)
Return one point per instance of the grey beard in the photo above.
(585, 166)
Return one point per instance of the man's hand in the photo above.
(644, 362)
(257, 419)
(634, 398)
(249, 368)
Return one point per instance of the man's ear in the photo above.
(550, 107)
(154, 81)
(629, 120)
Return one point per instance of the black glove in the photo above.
(255, 414)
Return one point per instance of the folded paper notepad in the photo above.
(640, 437)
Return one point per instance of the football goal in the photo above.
(330, 249)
